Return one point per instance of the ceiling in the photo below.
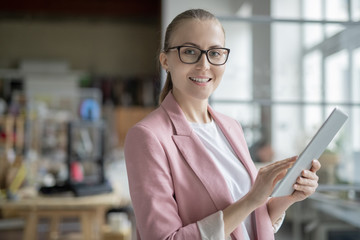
(86, 8)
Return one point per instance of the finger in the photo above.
(305, 189)
(280, 171)
(276, 171)
(306, 182)
(290, 159)
(287, 161)
(310, 175)
(277, 167)
(315, 165)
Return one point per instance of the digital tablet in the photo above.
(312, 151)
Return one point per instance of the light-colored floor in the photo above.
(345, 232)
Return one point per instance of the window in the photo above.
(284, 76)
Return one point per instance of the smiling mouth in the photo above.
(200, 80)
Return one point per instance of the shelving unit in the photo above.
(86, 147)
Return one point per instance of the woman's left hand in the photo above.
(307, 183)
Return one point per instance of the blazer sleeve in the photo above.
(151, 188)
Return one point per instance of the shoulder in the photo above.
(154, 120)
(154, 124)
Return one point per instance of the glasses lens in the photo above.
(218, 56)
(189, 54)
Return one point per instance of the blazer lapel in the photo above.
(196, 155)
(237, 141)
(201, 163)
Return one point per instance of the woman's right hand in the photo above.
(267, 178)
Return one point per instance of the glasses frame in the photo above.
(201, 53)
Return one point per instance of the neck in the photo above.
(195, 110)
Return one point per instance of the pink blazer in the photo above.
(173, 181)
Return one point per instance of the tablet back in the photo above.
(312, 151)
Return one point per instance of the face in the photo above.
(199, 80)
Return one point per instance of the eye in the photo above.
(190, 51)
(215, 53)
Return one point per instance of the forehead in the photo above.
(203, 33)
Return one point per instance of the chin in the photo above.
(202, 97)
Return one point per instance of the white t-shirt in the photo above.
(233, 171)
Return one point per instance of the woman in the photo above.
(190, 172)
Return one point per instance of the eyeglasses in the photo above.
(190, 54)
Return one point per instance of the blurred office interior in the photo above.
(75, 75)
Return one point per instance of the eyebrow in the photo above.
(195, 45)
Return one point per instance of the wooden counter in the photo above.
(89, 210)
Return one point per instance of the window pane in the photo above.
(312, 9)
(356, 129)
(236, 83)
(313, 34)
(312, 120)
(356, 99)
(332, 29)
(287, 135)
(286, 54)
(285, 8)
(336, 88)
(356, 76)
(336, 10)
(312, 77)
(355, 10)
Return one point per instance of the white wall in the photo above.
(171, 8)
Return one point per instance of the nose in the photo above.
(203, 62)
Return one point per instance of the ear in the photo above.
(164, 61)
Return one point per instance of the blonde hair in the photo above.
(199, 14)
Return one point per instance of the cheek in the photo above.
(220, 72)
(179, 71)
(178, 77)
(174, 62)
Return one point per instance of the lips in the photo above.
(200, 80)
